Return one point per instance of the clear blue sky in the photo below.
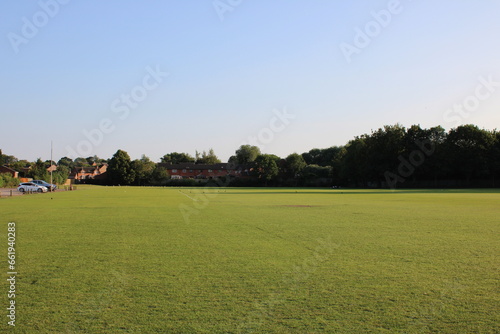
(229, 70)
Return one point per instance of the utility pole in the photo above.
(51, 164)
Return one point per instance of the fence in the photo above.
(14, 192)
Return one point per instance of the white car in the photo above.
(30, 186)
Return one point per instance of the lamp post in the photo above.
(51, 165)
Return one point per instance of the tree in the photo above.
(159, 176)
(247, 153)
(267, 166)
(20, 165)
(294, 165)
(494, 155)
(353, 164)
(424, 148)
(81, 162)
(65, 161)
(39, 171)
(384, 148)
(143, 169)
(468, 147)
(120, 170)
(337, 166)
(311, 156)
(7, 159)
(207, 158)
(321, 157)
(315, 172)
(61, 174)
(64, 170)
(177, 158)
(94, 160)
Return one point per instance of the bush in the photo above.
(8, 181)
(58, 177)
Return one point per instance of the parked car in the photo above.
(30, 186)
(49, 186)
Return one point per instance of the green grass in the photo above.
(146, 260)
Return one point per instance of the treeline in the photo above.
(393, 156)
(390, 157)
(261, 169)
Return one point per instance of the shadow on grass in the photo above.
(303, 191)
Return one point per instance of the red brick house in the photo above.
(7, 170)
(89, 173)
(205, 171)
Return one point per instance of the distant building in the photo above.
(7, 170)
(25, 170)
(97, 172)
(52, 168)
(206, 171)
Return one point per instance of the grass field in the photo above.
(172, 260)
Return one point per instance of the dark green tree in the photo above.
(315, 172)
(94, 160)
(81, 162)
(39, 171)
(143, 169)
(177, 158)
(294, 165)
(65, 161)
(120, 170)
(267, 166)
(160, 176)
(62, 173)
(468, 148)
(19, 165)
(247, 153)
(353, 165)
(337, 167)
(494, 160)
(423, 147)
(385, 146)
(321, 157)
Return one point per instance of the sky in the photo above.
(155, 77)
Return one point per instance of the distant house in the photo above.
(206, 171)
(7, 170)
(25, 170)
(96, 172)
(52, 168)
